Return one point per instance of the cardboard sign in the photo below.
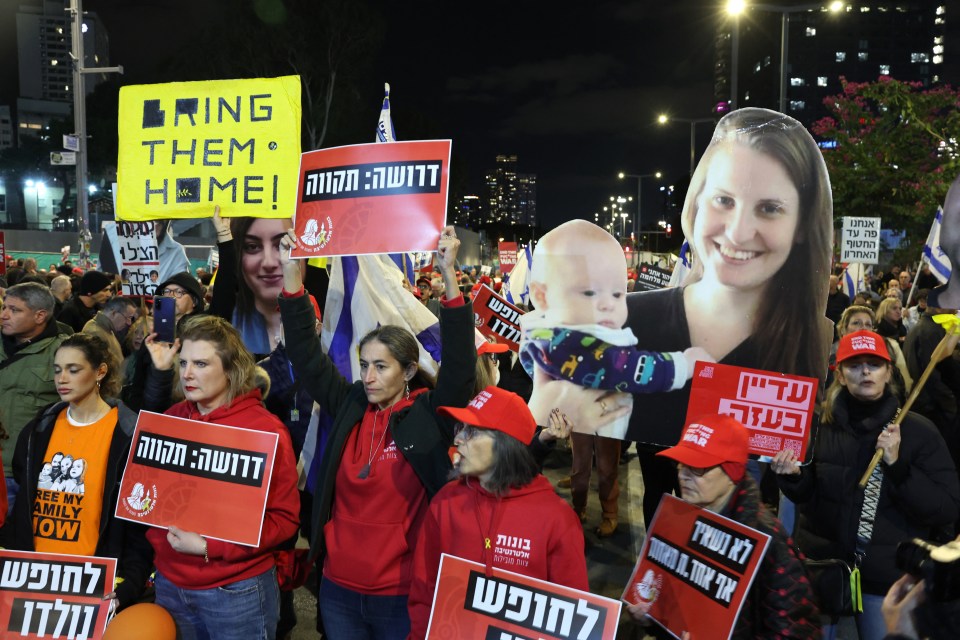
(202, 477)
(137, 249)
(860, 240)
(468, 604)
(650, 277)
(496, 318)
(372, 198)
(51, 595)
(508, 256)
(695, 568)
(187, 146)
(776, 408)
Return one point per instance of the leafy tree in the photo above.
(896, 152)
(329, 44)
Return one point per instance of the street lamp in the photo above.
(638, 223)
(736, 7)
(664, 119)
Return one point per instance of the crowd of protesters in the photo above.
(416, 466)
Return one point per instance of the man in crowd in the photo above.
(426, 296)
(29, 339)
(62, 289)
(94, 289)
(111, 323)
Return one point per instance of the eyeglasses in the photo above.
(698, 472)
(860, 324)
(465, 432)
(174, 293)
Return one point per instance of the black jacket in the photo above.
(121, 539)
(421, 435)
(919, 496)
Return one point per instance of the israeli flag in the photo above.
(517, 282)
(385, 132)
(939, 262)
(364, 293)
(682, 268)
(853, 280)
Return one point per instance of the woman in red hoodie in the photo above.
(212, 588)
(498, 494)
(386, 452)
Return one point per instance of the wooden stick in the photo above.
(943, 350)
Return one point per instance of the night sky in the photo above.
(572, 89)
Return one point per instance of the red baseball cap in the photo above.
(485, 346)
(497, 409)
(862, 343)
(713, 440)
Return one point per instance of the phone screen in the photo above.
(164, 318)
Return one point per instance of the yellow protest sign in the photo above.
(187, 146)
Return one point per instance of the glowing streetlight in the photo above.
(665, 119)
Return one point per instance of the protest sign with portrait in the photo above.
(208, 478)
(695, 569)
(372, 198)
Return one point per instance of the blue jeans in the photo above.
(348, 615)
(244, 610)
(870, 624)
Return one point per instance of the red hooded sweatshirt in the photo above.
(532, 532)
(233, 562)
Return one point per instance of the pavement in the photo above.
(610, 560)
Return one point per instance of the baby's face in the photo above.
(593, 290)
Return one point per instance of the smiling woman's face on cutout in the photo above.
(747, 216)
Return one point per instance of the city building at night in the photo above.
(908, 40)
(511, 196)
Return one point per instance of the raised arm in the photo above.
(315, 371)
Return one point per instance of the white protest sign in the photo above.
(860, 240)
(139, 258)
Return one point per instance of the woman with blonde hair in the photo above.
(214, 588)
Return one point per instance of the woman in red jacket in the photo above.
(212, 588)
(499, 493)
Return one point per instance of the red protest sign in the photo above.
(695, 568)
(372, 198)
(777, 408)
(496, 318)
(202, 477)
(468, 603)
(508, 256)
(51, 595)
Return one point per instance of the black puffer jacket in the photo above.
(121, 539)
(919, 497)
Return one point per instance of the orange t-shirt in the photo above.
(69, 500)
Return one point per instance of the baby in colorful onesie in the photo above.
(578, 287)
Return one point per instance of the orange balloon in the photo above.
(143, 622)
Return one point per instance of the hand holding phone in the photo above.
(164, 318)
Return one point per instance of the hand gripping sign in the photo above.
(695, 569)
(51, 595)
(470, 603)
(372, 198)
(187, 146)
(209, 478)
